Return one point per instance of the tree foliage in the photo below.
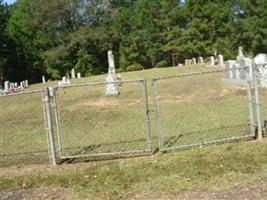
(50, 37)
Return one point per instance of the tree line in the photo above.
(50, 37)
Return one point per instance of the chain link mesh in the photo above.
(92, 123)
(23, 137)
(200, 108)
(264, 108)
(192, 109)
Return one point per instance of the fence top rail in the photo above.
(22, 93)
(200, 72)
(100, 83)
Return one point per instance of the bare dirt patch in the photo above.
(251, 192)
(39, 193)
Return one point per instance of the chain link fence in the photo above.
(80, 120)
(93, 124)
(23, 136)
(199, 108)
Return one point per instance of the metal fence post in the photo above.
(51, 145)
(58, 124)
(250, 108)
(147, 118)
(258, 103)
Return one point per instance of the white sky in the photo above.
(9, 1)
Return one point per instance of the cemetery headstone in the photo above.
(79, 75)
(26, 83)
(246, 69)
(111, 86)
(43, 79)
(73, 73)
(261, 65)
(194, 60)
(65, 81)
(6, 86)
(239, 71)
(212, 61)
(240, 55)
(221, 61)
(200, 60)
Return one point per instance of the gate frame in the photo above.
(133, 153)
(223, 140)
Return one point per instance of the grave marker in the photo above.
(111, 87)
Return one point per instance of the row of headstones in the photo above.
(10, 87)
(220, 60)
(65, 79)
(239, 72)
(194, 61)
(200, 60)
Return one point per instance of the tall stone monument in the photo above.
(111, 86)
(73, 73)
(239, 72)
(261, 65)
(240, 54)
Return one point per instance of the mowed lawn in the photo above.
(193, 109)
(223, 169)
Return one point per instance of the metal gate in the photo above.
(199, 108)
(92, 124)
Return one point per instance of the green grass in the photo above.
(212, 168)
(193, 109)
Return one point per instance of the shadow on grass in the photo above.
(171, 141)
(107, 148)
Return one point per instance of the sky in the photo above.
(9, 1)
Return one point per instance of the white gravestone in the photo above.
(212, 61)
(73, 73)
(65, 81)
(221, 61)
(240, 55)
(246, 69)
(26, 83)
(7, 85)
(111, 87)
(194, 60)
(200, 60)
(236, 71)
(79, 75)
(43, 79)
(261, 65)
(229, 74)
